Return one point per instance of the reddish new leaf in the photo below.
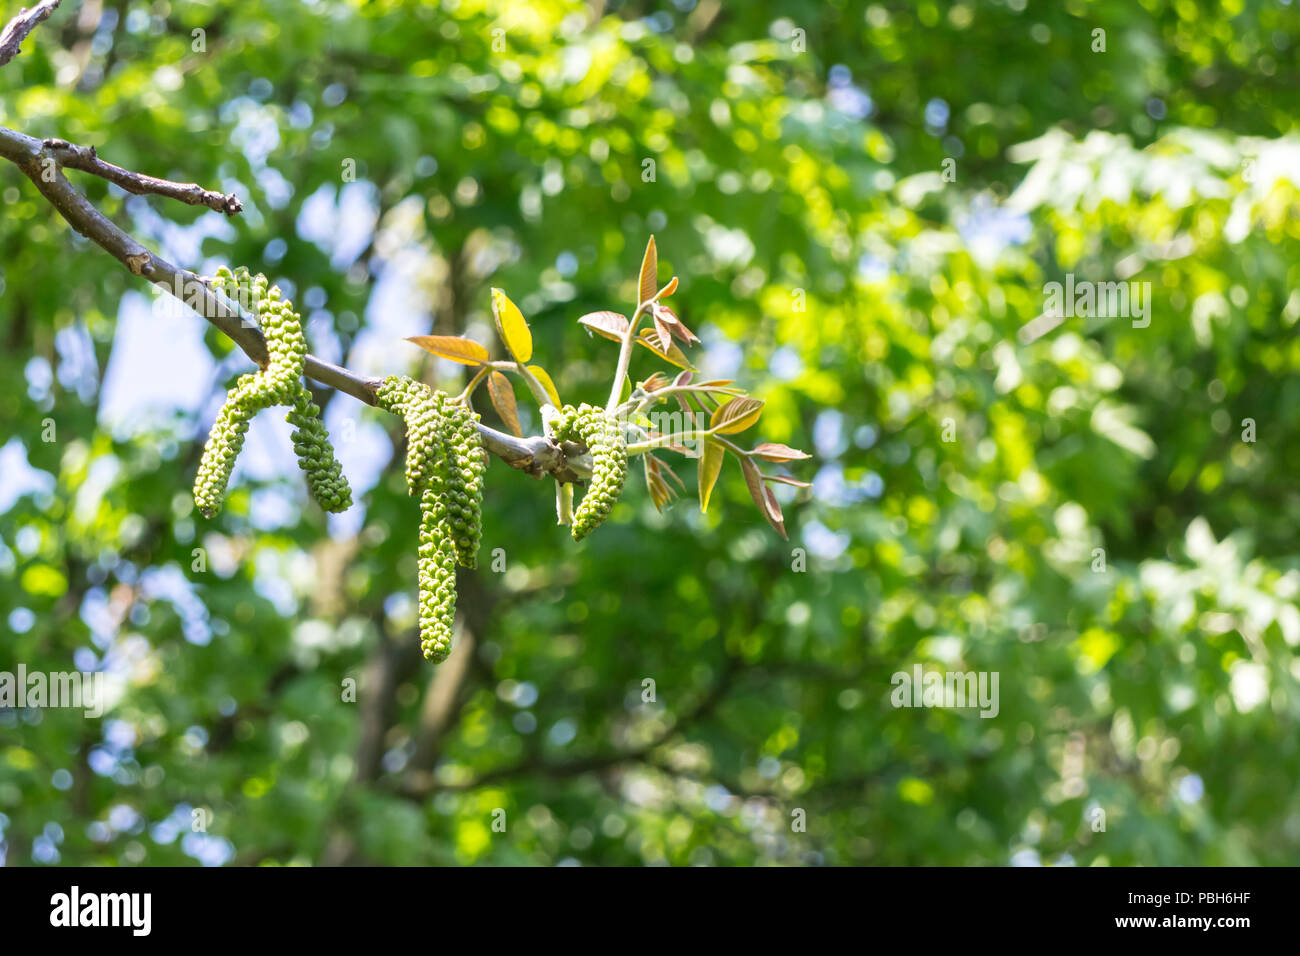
(771, 451)
(649, 271)
(655, 382)
(763, 497)
(503, 400)
(678, 327)
(785, 480)
(611, 325)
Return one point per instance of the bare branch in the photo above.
(16, 30)
(84, 158)
(537, 455)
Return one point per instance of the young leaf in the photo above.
(544, 378)
(503, 400)
(683, 378)
(611, 325)
(464, 351)
(671, 446)
(678, 328)
(512, 327)
(773, 513)
(649, 270)
(736, 415)
(665, 335)
(786, 480)
(655, 382)
(660, 493)
(669, 289)
(770, 451)
(674, 355)
(762, 495)
(710, 466)
(668, 470)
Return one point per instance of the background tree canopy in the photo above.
(1087, 514)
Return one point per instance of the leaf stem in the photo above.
(481, 374)
(625, 355)
(539, 393)
(641, 447)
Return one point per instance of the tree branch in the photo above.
(84, 158)
(42, 163)
(16, 30)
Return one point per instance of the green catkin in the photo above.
(437, 573)
(608, 446)
(280, 383)
(423, 411)
(465, 466)
(224, 444)
(311, 442)
(444, 465)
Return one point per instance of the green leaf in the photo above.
(735, 415)
(544, 378)
(512, 327)
(674, 355)
(710, 467)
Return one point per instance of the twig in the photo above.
(537, 455)
(16, 30)
(71, 156)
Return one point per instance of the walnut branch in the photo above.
(84, 158)
(16, 30)
(42, 163)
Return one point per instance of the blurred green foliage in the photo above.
(798, 160)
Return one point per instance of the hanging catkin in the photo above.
(444, 466)
(608, 446)
(280, 383)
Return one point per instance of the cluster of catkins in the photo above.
(280, 383)
(608, 446)
(444, 466)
